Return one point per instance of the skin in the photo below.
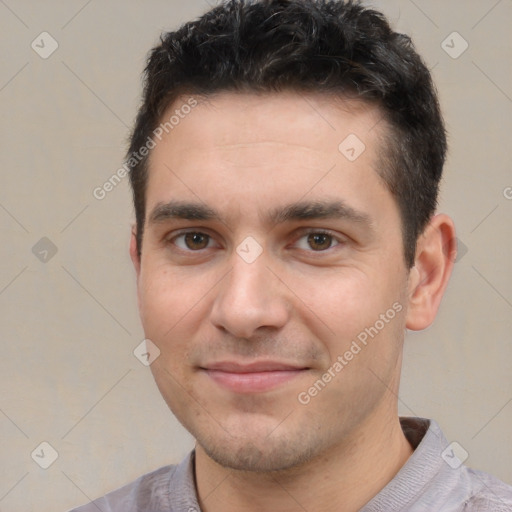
(301, 302)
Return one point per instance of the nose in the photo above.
(250, 297)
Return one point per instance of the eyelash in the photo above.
(335, 240)
(190, 232)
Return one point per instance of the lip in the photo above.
(256, 377)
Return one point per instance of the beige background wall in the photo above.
(69, 324)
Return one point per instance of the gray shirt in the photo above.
(432, 480)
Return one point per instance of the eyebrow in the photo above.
(310, 210)
(302, 210)
(182, 210)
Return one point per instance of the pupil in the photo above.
(196, 241)
(319, 241)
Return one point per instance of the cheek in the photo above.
(343, 301)
(169, 305)
(357, 315)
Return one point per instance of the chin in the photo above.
(259, 454)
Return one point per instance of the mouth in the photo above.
(256, 377)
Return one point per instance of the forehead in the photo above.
(282, 117)
(259, 146)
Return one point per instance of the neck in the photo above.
(344, 479)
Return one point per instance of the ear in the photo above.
(436, 251)
(134, 254)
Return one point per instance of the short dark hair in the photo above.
(330, 46)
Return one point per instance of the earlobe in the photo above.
(435, 255)
(134, 254)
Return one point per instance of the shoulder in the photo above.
(151, 488)
(489, 494)
(168, 489)
(434, 478)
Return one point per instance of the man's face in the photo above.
(266, 254)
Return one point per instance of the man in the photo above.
(285, 167)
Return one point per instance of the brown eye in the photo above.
(193, 241)
(320, 241)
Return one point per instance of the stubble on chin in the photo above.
(269, 453)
